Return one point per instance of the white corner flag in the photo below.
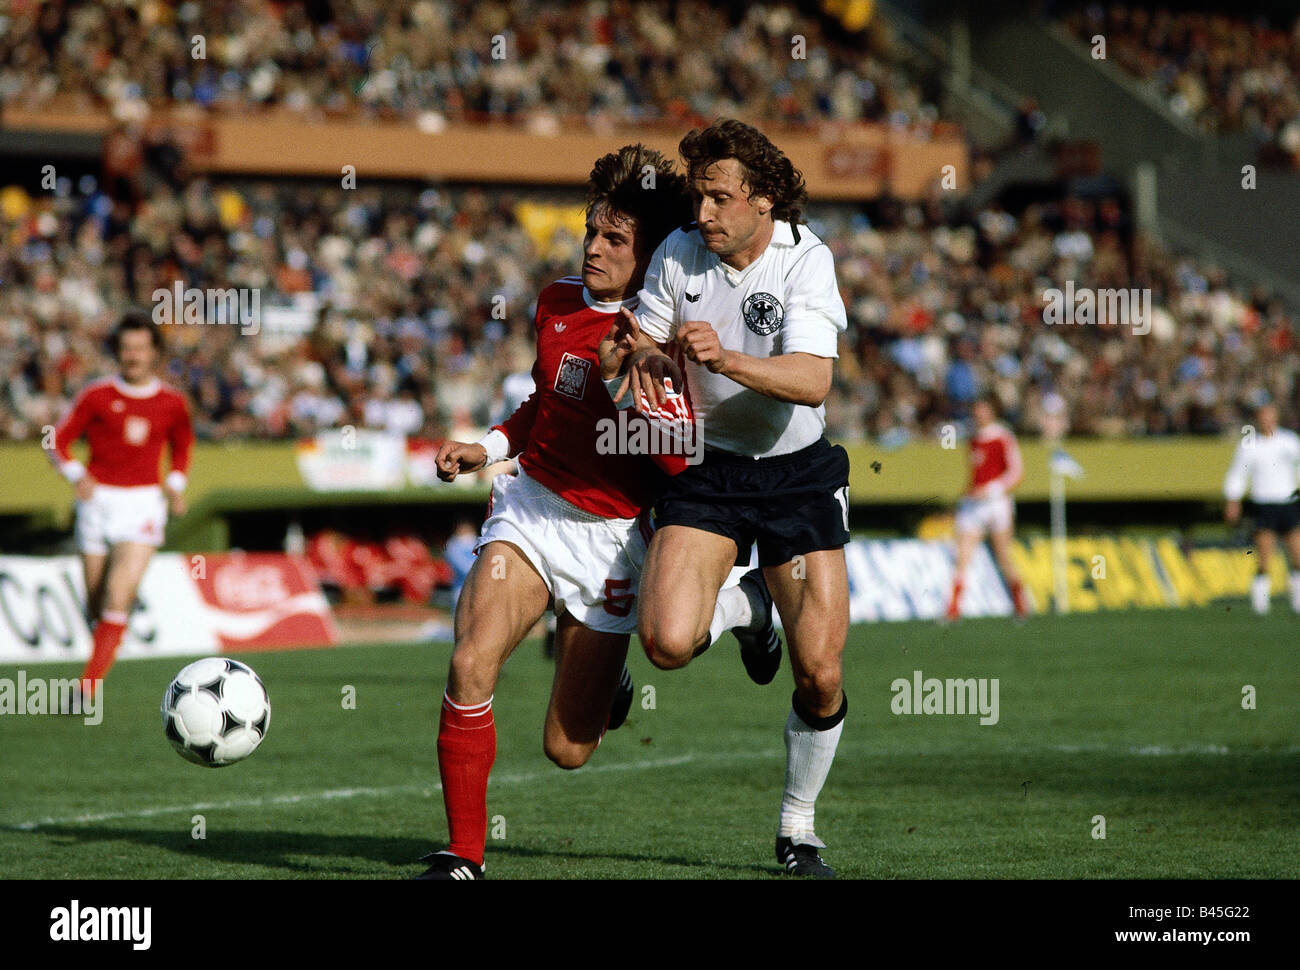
(1061, 466)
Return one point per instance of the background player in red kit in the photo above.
(570, 531)
(122, 504)
(987, 506)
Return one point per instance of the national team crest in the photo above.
(571, 378)
(763, 313)
(136, 429)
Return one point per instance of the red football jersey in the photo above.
(995, 457)
(126, 427)
(556, 431)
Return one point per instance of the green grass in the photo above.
(1134, 716)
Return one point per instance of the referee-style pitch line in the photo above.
(336, 794)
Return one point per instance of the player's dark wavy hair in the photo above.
(766, 170)
(621, 181)
(135, 320)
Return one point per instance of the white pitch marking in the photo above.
(340, 793)
(520, 779)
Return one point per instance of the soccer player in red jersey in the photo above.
(570, 531)
(122, 503)
(987, 506)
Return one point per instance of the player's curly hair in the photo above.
(766, 170)
(622, 181)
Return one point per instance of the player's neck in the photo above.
(619, 296)
(141, 387)
(747, 256)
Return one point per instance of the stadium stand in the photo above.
(377, 304)
(1220, 71)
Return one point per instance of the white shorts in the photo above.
(994, 513)
(114, 514)
(590, 565)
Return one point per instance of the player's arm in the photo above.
(636, 343)
(1235, 483)
(1015, 470)
(69, 430)
(504, 440)
(796, 378)
(631, 361)
(180, 441)
(814, 319)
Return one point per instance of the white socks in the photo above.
(733, 609)
(1259, 593)
(809, 753)
(1295, 591)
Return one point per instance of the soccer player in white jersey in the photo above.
(569, 533)
(747, 298)
(1267, 465)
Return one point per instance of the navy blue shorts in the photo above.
(1279, 517)
(790, 505)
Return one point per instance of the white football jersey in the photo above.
(786, 301)
(1269, 465)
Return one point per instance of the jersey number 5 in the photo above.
(617, 602)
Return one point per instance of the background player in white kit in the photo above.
(1267, 466)
(749, 298)
(987, 506)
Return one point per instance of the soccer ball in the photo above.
(216, 712)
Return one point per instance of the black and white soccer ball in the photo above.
(216, 712)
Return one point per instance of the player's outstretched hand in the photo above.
(699, 341)
(85, 488)
(618, 344)
(651, 372)
(455, 457)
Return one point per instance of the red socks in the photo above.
(107, 637)
(1018, 598)
(954, 609)
(467, 747)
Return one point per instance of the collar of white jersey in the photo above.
(137, 390)
(612, 306)
(784, 234)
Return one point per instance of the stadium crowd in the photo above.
(544, 63)
(1223, 72)
(405, 309)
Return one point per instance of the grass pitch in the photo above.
(1137, 717)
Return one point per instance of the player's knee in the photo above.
(470, 670)
(567, 754)
(820, 684)
(668, 652)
